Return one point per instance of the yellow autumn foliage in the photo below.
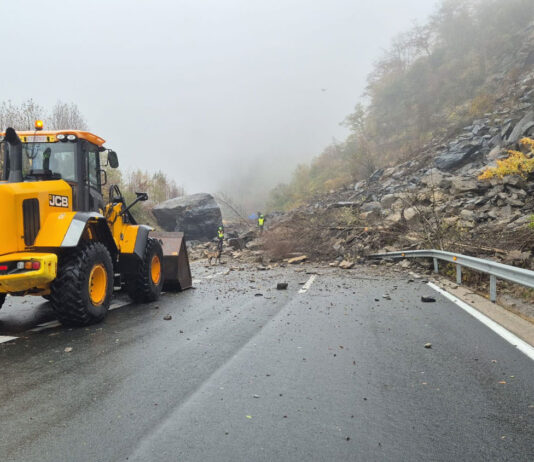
(516, 163)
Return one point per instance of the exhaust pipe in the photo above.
(15, 156)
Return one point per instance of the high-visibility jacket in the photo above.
(261, 220)
(220, 234)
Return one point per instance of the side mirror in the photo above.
(113, 160)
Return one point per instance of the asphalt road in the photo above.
(324, 374)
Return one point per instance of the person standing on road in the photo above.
(220, 236)
(261, 222)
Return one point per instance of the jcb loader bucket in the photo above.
(176, 270)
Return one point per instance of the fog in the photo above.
(221, 95)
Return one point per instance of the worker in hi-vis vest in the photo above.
(220, 236)
(261, 222)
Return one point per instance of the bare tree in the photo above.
(66, 116)
(23, 116)
(20, 117)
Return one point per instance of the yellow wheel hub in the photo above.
(155, 270)
(98, 284)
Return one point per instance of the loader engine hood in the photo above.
(25, 207)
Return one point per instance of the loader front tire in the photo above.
(81, 293)
(2, 300)
(145, 284)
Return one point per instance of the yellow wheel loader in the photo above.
(61, 240)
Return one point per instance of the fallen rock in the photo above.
(458, 156)
(388, 200)
(196, 215)
(346, 264)
(495, 153)
(236, 243)
(435, 178)
(394, 218)
(371, 207)
(167, 317)
(522, 128)
(281, 286)
(254, 244)
(467, 215)
(428, 345)
(410, 214)
(428, 299)
(516, 257)
(376, 175)
(463, 185)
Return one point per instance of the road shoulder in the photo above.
(510, 321)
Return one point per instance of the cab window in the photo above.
(49, 158)
(93, 166)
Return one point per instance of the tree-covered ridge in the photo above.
(434, 79)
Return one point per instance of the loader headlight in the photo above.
(61, 137)
(71, 137)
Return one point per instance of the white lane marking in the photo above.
(308, 284)
(5, 338)
(53, 324)
(513, 339)
(117, 305)
(45, 325)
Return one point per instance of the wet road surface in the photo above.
(330, 370)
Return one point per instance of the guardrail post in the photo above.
(436, 266)
(458, 274)
(493, 288)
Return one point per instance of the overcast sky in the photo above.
(210, 91)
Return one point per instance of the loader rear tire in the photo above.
(81, 293)
(146, 283)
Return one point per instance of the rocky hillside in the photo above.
(435, 199)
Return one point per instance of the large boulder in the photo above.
(434, 178)
(523, 128)
(458, 156)
(197, 215)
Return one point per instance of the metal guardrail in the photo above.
(496, 270)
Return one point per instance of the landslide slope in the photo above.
(435, 199)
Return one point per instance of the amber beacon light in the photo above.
(38, 124)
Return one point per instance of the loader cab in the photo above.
(75, 157)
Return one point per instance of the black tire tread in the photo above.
(139, 286)
(67, 291)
